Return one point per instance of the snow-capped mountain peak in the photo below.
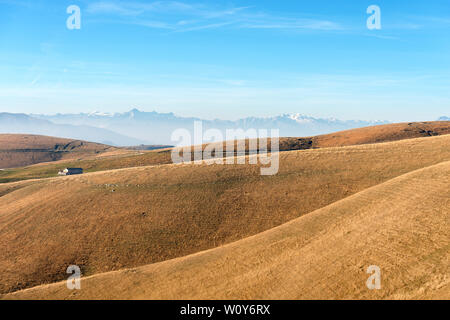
(99, 114)
(157, 128)
(299, 118)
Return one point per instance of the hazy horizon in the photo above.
(269, 116)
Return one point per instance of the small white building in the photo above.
(70, 171)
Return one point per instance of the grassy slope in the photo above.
(401, 226)
(19, 149)
(383, 133)
(121, 160)
(124, 218)
(375, 134)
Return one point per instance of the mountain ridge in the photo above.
(20, 123)
(137, 127)
(158, 127)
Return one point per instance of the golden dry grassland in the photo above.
(124, 218)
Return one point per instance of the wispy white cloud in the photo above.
(36, 80)
(381, 36)
(184, 17)
(113, 8)
(406, 26)
(223, 13)
(153, 24)
(416, 22)
(282, 23)
(138, 8)
(437, 21)
(206, 26)
(16, 3)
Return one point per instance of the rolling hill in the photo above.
(18, 150)
(365, 135)
(48, 224)
(374, 134)
(400, 225)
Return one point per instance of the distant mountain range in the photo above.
(156, 128)
(22, 123)
(136, 127)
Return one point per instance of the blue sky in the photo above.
(227, 59)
